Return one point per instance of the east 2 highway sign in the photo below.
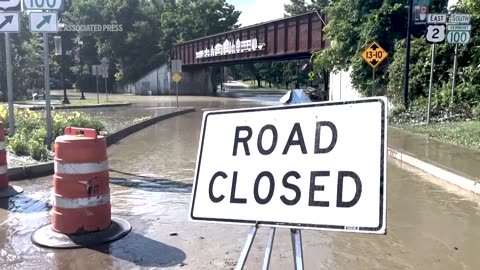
(10, 5)
(308, 166)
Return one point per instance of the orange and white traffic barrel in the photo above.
(6, 190)
(81, 213)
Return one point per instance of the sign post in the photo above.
(435, 34)
(374, 55)
(270, 170)
(95, 72)
(104, 71)
(9, 23)
(177, 78)
(45, 22)
(177, 70)
(458, 32)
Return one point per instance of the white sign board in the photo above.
(103, 70)
(43, 22)
(96, 70)
(176, 66)
(436, 33)
(308, 166)
(459, 18)
(458, 36)
(436, 18)
(9, 22)
(43, 4)
(9, 4)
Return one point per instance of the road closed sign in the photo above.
(309, 166)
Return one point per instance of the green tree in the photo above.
(353, 25)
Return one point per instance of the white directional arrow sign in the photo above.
(9, 4)
(44, 22)
(9, 22)
(436, 33)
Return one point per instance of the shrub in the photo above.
(30, 134)
(74, 119)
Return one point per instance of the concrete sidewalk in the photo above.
(455, 164)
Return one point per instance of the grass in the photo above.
(74, 102)
(251, 83)
(89, 102)
(465, 134)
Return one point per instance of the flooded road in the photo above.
(431, 225)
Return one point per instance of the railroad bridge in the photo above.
(295, 37)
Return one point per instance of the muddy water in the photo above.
(431, 225)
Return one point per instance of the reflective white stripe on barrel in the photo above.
(79, 203)
(80, 168)
(2, 145)
(3, 169)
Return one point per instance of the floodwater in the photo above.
(431, 225)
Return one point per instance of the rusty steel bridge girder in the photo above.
(289, 38)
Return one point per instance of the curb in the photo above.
(46, 169)
(39, 108)
(453, 178)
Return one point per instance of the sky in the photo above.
(257, 11)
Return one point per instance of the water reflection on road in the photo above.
(431, 225)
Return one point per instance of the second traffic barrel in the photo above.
(81, 213)
(81, 192)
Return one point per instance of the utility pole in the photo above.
(61, 52)
(80, 42)
(407, 58)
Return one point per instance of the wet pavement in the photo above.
(431, 224)
(459, 160)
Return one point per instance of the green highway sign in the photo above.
(43, 4)
(458, 33)
(459, 27)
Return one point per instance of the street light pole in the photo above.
(407, 60)
(62, 70)
(81, 68)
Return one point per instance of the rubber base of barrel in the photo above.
(46, 237)
(10, 191)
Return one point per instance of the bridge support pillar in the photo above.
(195, 82)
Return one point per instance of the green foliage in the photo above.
(30, 133)
(458, 133)
(74, 119)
